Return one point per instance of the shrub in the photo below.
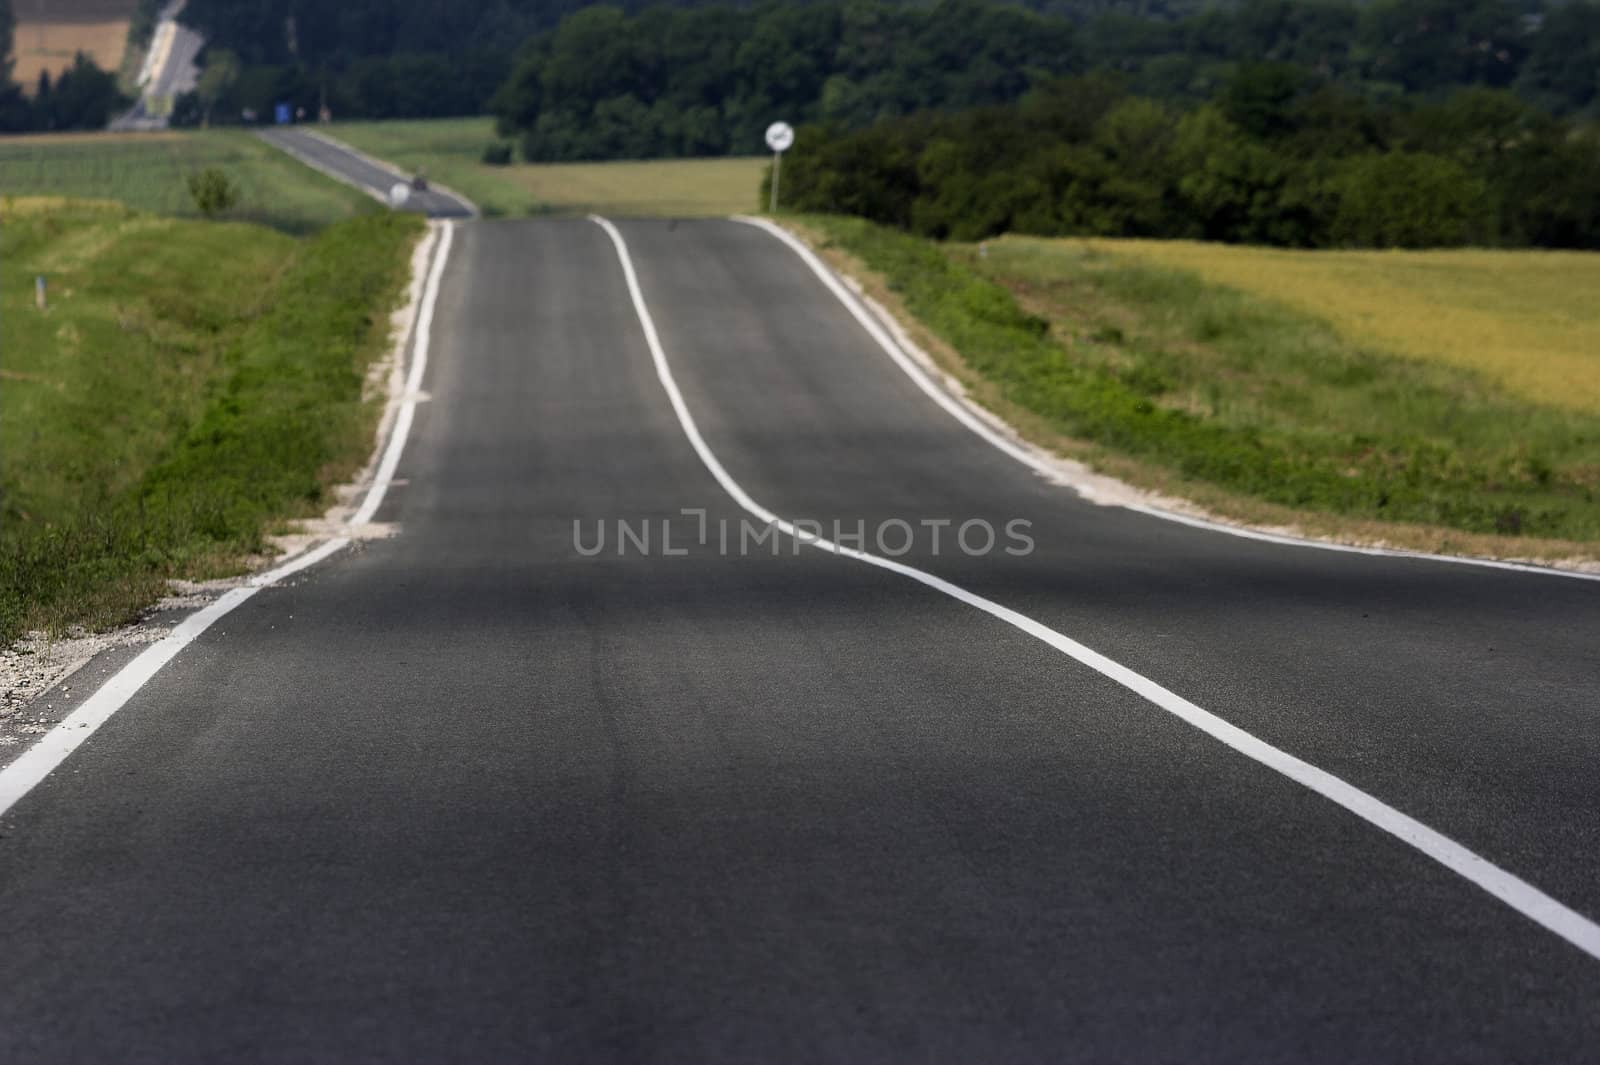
(214, 192)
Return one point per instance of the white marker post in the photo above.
(780, 135)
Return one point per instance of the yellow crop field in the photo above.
(1530, 320)
(51, 45)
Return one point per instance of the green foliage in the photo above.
(1238, 393)
(700, 76)
(8, 28)
(142, 26)
(213, 192)
(1406, 200)
(497, 153)
(192, 385)
(1267, 163)
(708, 80)
(219, 77)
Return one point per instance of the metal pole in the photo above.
(777, 171)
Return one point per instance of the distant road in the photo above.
(169, 71)
(372, 176)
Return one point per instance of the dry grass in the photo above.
(660, 187)
(51, 46)
(1528, 320)
(451, 150)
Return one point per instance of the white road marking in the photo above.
(962, 410)
(1510, 889)
(413, 390)
(55, 746)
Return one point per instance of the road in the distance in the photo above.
(332, 157)
(470, 795)
(171, 70)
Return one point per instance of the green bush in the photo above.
(213, 191)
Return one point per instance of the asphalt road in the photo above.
(470, 794)
(174, 71)
(373, 176)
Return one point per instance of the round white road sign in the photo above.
(779, 136)
(399, 195)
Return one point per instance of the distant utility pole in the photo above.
(780, 135)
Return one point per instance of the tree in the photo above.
(83, 97)
(218, 78)
(1407, 200)
(8, 27)
(1562, 73)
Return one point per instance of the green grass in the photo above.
(1215, 387)
(149, 172)
(451, 150)
(190, 384)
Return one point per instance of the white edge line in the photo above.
(388, 167)
(55, 746)
(419, 364)
(963, 411)
(1510, 889)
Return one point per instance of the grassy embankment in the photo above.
(1443, 401)
(451, 152)
(149, 171)
(190, 385)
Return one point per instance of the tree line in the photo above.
(642, 77)
(705, 81)
(1274, 157)
(708, 81)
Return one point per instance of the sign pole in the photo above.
(780, 135)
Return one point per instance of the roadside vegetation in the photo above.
(151, 172)
(189, 386)
(1527, 321)
(452, 151)
(1252, 407)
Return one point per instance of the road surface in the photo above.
(474, 794)
(169, 71)
(372, 176)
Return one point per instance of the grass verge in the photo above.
(149, 171)
(1252, 409)
(190, 385)
(451, 151)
